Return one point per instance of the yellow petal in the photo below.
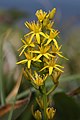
(28, 34)
(56, 44)
(46, 48)
(32, 45)
(46, 55)
(50, 55)
(22, 61)
(62, 56)
(49, 40)
(26, 55)
(59, 66)
(23, 50)
(31, 37)
(23, 42)
(38, 38)
(37, 58)
(29, 63)
(21, 47)
(50, 70)
(59, 69)
(27, 24)
(41, 33)
(44, 68)
(60, 47)
(35, 51)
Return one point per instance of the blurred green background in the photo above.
(13, 14)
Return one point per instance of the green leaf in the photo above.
(66, 107)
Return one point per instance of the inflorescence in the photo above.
(42, 51)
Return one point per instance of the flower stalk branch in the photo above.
(52, 89)
(45, 103)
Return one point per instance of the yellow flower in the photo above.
(27, 43)
(38, 115)
(43, 51)
(35, 30)
(51, 64)
(49, 25)
(41, 15)
(50, 112)
(40, 102)
(56, 50)
(51, 37)
(29, 58)
(55, 76)
(39, 81)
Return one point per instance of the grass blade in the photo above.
(2, 95)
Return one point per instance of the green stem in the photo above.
(1, 76)
(52, 89)
(45, 103)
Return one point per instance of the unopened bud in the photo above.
(52, 13)
(38, 115)
(40, 102)
(50, 112)
(55, 76)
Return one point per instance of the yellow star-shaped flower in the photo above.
(35, 30)
(49, 25)
(41, 15)
(51, 37)
(27, 43)
(38, 79)
(29, 58)
(51, 64)
(43, 51)
(56, 50)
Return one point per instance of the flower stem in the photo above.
(45, 103)
(52, 89)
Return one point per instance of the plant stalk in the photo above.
(45, 103)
